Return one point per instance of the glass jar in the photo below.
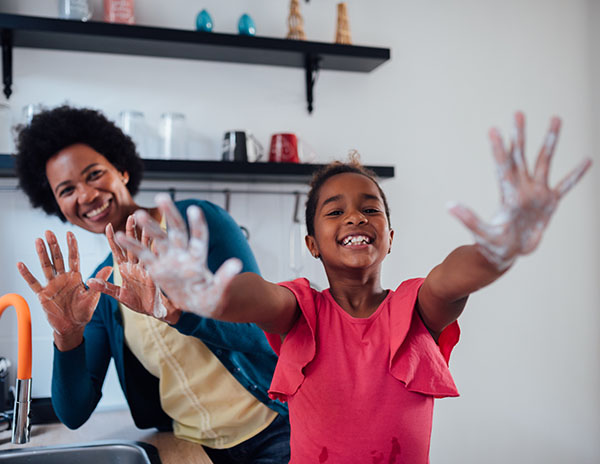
(6, 139)
(119, 11)
(134, 125)
(79, 10)
(29, 111)
(173, 134)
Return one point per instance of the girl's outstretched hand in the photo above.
(528, 202)
(178, 262)
(67, 302)
(137, 291)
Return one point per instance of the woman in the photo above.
(205, 380)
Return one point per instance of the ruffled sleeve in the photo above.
(299, 346)
(415, 358)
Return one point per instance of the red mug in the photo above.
(284, 148)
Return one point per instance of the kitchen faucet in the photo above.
(20, 423)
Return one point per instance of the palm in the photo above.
(178, 264)
(67, 303)
(137, 290)
(519, 224)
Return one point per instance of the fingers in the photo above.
(198, 230)
(542, 164)
(73, 252)
(104, 273)
(130, 231)
(145, 239)
(143, 253)
(100, 285)
(57, 257)
(505, 166)
(47, 269)
(149, 225)
(518, 145)
(572, 178)
(227, 271)
(176, 228)
(117, 252)
(28, 276)
(468, 218)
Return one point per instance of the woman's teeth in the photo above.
(97, 211)
(356, 240)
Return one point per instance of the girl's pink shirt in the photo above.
(361, 390)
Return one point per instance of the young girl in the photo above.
(360, 365)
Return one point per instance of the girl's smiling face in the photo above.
(89, 190)
(350, 224)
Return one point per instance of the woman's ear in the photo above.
(125, 177)
(391, 240)
(312, 246)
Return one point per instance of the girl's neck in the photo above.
(359, 297)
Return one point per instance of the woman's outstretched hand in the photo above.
(528, 202)
(137, 291)
(178, 262)
(67, 302)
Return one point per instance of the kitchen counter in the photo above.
(112, 425)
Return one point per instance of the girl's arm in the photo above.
(179, 267)
(526, 208)
(250, 298)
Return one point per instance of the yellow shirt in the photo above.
(207, 404)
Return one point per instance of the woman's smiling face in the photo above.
(351, 226)
(89, 190)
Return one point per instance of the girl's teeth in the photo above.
(356, 240)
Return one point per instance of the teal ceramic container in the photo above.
(204, 22)
(246, 25)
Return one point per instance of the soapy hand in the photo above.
(137, 291)
(178, 263)
(527, 200)
(68, 304)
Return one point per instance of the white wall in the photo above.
(527, 363)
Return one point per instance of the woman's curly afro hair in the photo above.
(328, 171)
(53, 130)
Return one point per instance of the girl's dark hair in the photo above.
(325, 173)
(53, 130)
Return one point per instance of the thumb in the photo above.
(100, 285)
(104, 273)
(228, 270)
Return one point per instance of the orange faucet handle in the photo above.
(24, 332)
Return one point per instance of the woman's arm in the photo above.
(526, 208)
(78, 375)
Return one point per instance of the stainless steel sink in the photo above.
(113, 452)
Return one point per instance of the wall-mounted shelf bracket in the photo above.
(7, 45)
(311, 67)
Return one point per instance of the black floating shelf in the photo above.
(174, 170)
(61, 34)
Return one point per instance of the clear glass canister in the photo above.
(29, 111)
(79, 10)
(133, 124)
(173, 133)
(119, 11)
(6, 122)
